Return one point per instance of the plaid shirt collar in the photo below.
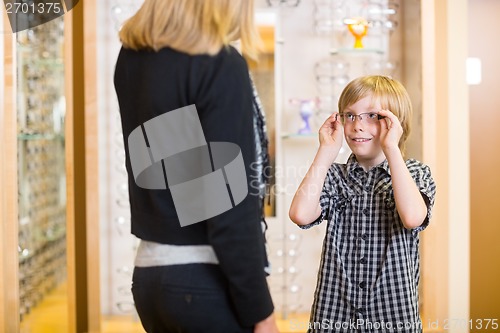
(353, 166)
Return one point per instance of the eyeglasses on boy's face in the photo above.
(368, 117)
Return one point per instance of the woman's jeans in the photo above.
(184, 299)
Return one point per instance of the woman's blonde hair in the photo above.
(192, 26)
(391, 94)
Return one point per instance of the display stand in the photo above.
(48, 155)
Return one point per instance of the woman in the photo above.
(207, 276)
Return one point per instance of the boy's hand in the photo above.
(331, 133)
(390, 130)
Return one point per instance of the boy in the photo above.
(376, 204)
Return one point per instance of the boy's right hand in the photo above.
(331, 133)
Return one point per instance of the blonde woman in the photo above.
(376, 205)
(207, 276)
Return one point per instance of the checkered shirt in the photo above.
(369, 271)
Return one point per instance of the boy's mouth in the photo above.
(360, 140)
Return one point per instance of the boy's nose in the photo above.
(358, 123)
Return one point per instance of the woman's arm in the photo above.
(224, 102)
(305, 206)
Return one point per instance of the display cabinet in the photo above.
(313, 61)
(41, 161)
(36, 216)
(45, 118)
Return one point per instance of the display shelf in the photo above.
(300, 137)
(353, 51)
(41, 92)
(25, 253)
(40, 136)
(41, 162)
(313, 69)
(43, 60)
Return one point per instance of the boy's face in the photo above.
(362, 131)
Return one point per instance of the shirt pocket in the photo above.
(390, 213)
(341, 202)
(388, 200)
(385, 192)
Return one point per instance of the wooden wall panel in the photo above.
(9, 275)
(485, 159)
(446, 149)
(83, 154)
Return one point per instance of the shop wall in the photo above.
(485, 159)
(117, 243)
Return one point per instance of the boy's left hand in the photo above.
(390, 130)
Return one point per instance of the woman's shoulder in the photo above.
(229, 58)
(226, 54)
(227, 62)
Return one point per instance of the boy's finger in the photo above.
(389, 117)
(388, 114)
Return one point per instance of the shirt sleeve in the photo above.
(224, 103)
(421, 174)
(325, 200)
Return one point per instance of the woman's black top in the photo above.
(149, 84)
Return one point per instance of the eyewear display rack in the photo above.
(48, 159)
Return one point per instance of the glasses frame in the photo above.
(361, 117)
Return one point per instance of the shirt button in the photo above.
(365, 211)
(362, 285)
(362, 260)
(364, 237)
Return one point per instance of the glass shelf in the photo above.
(297, 136)
(40, 136)
(346, 50)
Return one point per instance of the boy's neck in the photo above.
(368, 164)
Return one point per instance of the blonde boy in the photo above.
(376, 204)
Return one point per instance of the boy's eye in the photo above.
(350, 116)
(373, 115)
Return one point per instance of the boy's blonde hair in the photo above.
(192, 26)
(391, 94)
